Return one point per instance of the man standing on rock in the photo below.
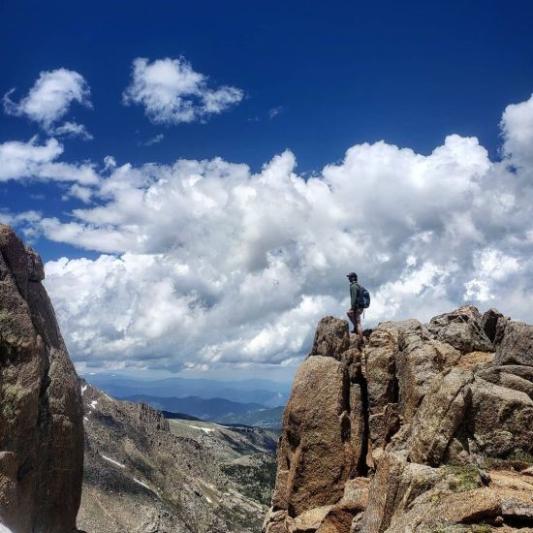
(360, 300)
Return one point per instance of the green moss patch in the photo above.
(463, 478)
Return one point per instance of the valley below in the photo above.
(145, 473)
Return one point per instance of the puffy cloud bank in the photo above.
(205, 263)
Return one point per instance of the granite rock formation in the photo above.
(425, 428)
(41, 429)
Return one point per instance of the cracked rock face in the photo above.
(41, 431)
(323, 444)
(315, 455)
(432, 423)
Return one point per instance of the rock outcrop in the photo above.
(41, 429)
(427, 428)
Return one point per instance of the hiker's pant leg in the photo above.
(352, 315)
(358, 320)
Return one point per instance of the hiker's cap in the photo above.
(351, 275)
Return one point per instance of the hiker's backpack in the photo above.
(363, 298)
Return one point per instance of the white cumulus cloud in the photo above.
(171, 92)
(517, 128)
(30, 160)
(204, 264)
(50, 99)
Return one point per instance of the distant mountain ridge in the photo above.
(210, 409)
(260, 391)
(215, 410)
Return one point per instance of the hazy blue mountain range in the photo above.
(206, 409)
(264, 392)
(215, 410)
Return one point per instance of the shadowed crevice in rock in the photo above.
(518, 522)
(394, 390)
(489, 323)
(346, 409)
(362, 465)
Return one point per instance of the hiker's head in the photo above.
(352, 276)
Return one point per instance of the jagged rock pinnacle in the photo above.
(387, 437)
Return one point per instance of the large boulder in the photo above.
(463, 328)
(336, 518)
(401, 360)
(465, 499)
(419, 361)
(514, 377)
(514, 343)
(501, 420)
(323, 442)
(332, 338)
(394, 486)
(315, 455)
(440, 415)
(380, 355)
(41, 431)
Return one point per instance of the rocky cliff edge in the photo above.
(427, 428)
(41, 427)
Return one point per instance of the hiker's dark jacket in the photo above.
(354, 290)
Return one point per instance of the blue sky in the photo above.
(338, 74)
(313, 78)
